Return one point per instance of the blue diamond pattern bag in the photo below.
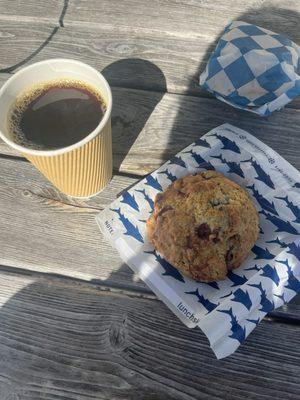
(253, 69)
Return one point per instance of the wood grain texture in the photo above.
(188, 18)
(149, 128)
(42, 230)
(62, 342)
(111, 49)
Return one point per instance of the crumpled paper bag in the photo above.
(253, 69)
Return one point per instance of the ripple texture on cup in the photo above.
(81, 172)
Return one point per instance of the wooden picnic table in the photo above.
(75, 323)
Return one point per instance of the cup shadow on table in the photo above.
(120, 73)
(130, 112)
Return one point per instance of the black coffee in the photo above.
(55, 114)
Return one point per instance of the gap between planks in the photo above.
(188, 17)
(62, 281)
(61, 342)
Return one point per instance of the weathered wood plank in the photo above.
(20, 9)
(129, 58)
(45, 231)
(190, 18)
(67, 342)
(196, 18)
(149, 128)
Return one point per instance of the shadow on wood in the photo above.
(64, 341)
(128, 115)
(47, 40)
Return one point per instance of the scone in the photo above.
(204, 225)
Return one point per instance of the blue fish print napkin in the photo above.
(226, 311)
(253, 69)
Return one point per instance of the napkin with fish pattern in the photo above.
(226, 311)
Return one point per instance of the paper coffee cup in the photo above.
(84, 168)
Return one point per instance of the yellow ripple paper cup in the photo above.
(84, 168)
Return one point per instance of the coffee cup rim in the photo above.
(82, 142)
